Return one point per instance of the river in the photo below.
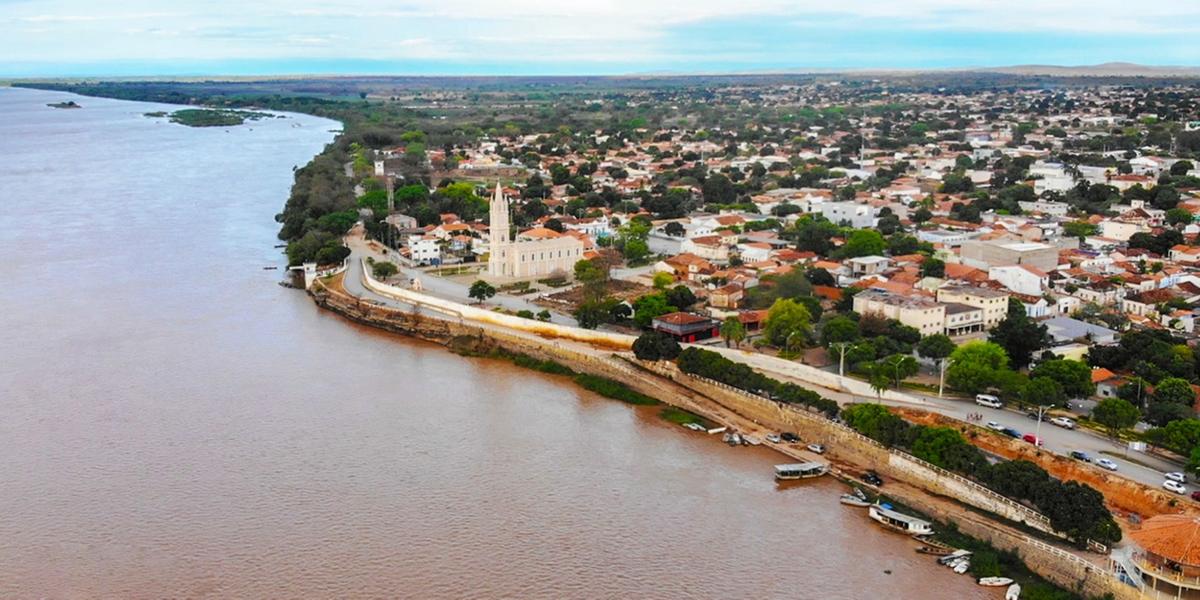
(175, 424)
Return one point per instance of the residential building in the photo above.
(993, 303)
(984, 254)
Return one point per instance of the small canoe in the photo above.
(1013, 593)
(953, 556)
(994, 581)
(934, 551)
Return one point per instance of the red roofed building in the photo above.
(686, 327)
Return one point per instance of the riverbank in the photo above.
(850, 453)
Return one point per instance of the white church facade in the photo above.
(538, 252)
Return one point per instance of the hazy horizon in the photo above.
(64, 38)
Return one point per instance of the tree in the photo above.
(718, 189)
(594, 275)
(899, 366)
(1115, 414)
(819, 276)
(977, 366)
(936, 346)
(384, 269)
(662, 280)
(681, 297)
(674, 229)
(863, 242)
(1174, 390)
(1181, 168)
(591, 314)
(1079, 229)
(733, 331)
(838, 330)
(787, 318)
(1042, 391)
(646, 308)
(1019, 335)
(946, 448)
(481, 291)
(1179, 216)
(933, 267)
(1074, 377)
(655, 345)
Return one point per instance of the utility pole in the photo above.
(1038, 430)
(942, 377)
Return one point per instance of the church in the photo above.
(535, 253)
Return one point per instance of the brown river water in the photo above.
(175, 424)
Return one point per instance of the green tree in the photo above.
(655, 345)
(936, 346)
(662, 280)
(594, 277)
(838, 330)
(1073, 376)
(933, 267)
(946, 448)
(863, 242)
(787, 318)
(1079, 229)
(977, 366)
(646, 308)
(1042, 391)
(733, 331)
(717, 189)
(1019, 335)
(1174, 390)
(899, 367)
(481, 291)
(1115, 415)
(383, 270)
(1179, 216)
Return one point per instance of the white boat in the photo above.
(953, 556)
(735, 439)
(751, 440)
(994, 581)
(1013, 593)
(852, 500)
(800, 470)
(716, 430)
(694, 426)
(962, 567)
(896, 520)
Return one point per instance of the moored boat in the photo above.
(962, 567)
(994, 581)
(801, 470)
(900, 521)
(934, 551)
(1013, 593)
(852, 500)
(953, 556)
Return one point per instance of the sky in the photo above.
(56, 38)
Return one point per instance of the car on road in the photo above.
(994, 426)
(988, 400)
(1064, 422)
(1105, 463)
(774, 438)
(1032, 439)
(872, 478)
(1079, 455)
(818, 448)
(1176, 476)
(1174, 486)
(789, 437)
(1010, 432)
(1034, 415)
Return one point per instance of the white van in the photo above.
(988, 400)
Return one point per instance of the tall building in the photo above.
(537, 252)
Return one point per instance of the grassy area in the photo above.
(613, 389)
(988, 561)
(203, 117)
(683, 417)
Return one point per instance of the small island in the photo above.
(211, 117)
(67, 104)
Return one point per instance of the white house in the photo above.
(425, 249)
(1022, 279)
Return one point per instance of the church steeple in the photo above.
(498, 217)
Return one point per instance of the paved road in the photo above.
(1056, 439)
(440, 287)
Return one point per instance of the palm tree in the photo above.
(733, 331)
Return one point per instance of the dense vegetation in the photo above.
(1075, 509)
(199, 117)
(711, 365)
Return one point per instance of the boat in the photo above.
(852, 500)
(716, 430)
(934, 551)
(962, 567)
(694, 426)
(750, 440)
(728, 437)
(1013, 593)
(801, 470)
(900, 521)
(270, 268)
(953, 556)
(994, 581)
(735, 439)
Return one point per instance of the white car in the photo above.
(1104, 463)
(994, 426)
(1174, 486)
(774, 438)
(1177, 477)
(1065, 422)
(818, 448)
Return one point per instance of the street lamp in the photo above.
(942, 376)
(1038, 429)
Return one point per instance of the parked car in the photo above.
(1105, 463)
(1010, 432)
(774, 438)
(1077, 455)
(789, 437)
(1064, 422)
(988, 400)
(994, 426)
(1196, 495)
(872, 478)
(1034, 415)
(1032, 439)
(818, 448)
(1174, 486)
(1177, 476)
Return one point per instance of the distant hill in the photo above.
(1111, 69)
